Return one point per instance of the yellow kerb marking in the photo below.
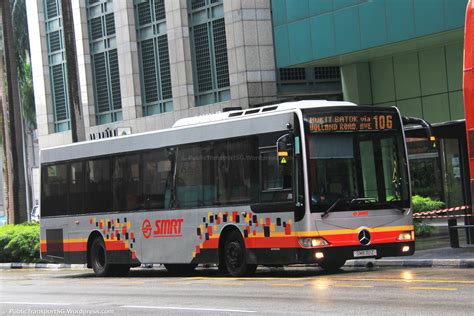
(288, 284)
(432, 288)
(355, 286)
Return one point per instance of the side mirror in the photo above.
(283, 144)
(427, 127)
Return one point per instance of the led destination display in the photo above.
(353, 122)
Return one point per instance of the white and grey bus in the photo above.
(299, 182)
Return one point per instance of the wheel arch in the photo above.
(223, 236)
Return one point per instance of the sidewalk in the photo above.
(436, 257)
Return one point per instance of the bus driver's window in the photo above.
(276, 179)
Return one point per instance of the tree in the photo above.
(12, 123)
(77, 123)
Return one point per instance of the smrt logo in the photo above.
(163, 228)
(146, 228)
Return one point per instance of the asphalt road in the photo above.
(421, 291)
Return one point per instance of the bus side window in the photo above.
(236, 171)
(126, 186)
(98, 187)
(195, 176)
(276, 180)
(54, 190)
(156, 174)
(76, 188)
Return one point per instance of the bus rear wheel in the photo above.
(332, 265)
(235, 257)
(99, 258)
(100, 264)
(180, 269)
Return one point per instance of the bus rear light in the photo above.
(312, 242)
(404, 236)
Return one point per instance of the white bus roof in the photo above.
(190, 130)
(253, 111)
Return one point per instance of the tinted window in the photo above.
(156, 177)
(54, 189)
(276, 179)
(236, 171)
(127, 192)
(98, 186)
(195, 176)
(76, 188)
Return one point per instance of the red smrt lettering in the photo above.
(168, 228)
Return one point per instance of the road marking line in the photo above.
(403, 280)
(287, 284)
(354, 286)
(432, 288)
(33, 303)
(190, 309)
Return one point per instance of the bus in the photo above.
(307, 182)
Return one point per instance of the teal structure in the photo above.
(308, 30)
(403, 53)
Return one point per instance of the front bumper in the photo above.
(347, 253)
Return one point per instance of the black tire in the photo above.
(235, 257)
(180, 269)
(98, 256)
(333, 265)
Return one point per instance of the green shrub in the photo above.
(424, 204)
(20, 243)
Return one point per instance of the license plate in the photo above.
(365, 253)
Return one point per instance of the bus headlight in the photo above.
(404, 236)
(312, 242)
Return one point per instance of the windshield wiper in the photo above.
(333, 206)
(363, 200)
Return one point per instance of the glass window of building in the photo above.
(57, 64)
(153, 52)
(209, 51)
(311, 82)
(105, 68)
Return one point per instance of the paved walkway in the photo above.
(436, 257)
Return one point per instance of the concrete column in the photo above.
(180, 56)
(84, 66)
(356, 85)
(40, 69)
(127, 52)
(252, 68)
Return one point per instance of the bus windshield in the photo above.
(356, 161)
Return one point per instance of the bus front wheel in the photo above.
(235, 256)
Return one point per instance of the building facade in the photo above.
(404, 53)
(144, 64)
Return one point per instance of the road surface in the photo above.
(294, 291)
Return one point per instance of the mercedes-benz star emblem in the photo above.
(364, 237)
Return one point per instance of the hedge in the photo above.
(424, 204)
(20, 243)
